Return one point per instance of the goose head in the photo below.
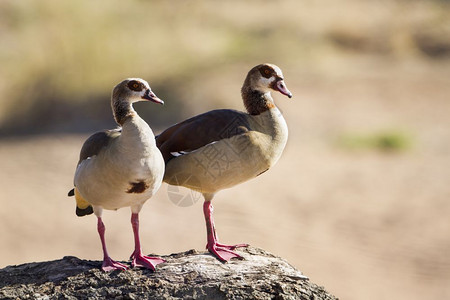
(126, 93)
(258, 85)
(266, 78)
(133, 90)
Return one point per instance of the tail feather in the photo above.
(84, 208)
(84, 212)
(71, 192)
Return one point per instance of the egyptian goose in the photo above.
(222, 148)
(120, 167)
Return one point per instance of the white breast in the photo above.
(127, 173)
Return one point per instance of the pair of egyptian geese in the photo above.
(126, 166)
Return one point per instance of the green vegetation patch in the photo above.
(385, 140)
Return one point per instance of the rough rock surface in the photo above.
(187, 275)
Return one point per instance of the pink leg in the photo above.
(138, 259)
(108, 263)
(221, 251)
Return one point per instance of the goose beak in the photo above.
(149, 95)
(281, 87)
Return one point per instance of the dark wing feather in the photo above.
(93, 145)
(201, 130)
(96, 142)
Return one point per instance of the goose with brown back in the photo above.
(222, 148)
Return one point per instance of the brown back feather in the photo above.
(201, 130)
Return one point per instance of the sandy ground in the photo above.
(363, 223)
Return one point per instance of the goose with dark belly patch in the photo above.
(222, 148)
(120, 168)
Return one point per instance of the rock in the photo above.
(187, 275)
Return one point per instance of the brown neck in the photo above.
(256, 102)
(122, 110)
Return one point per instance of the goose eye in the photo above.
(134, 85)
(266, 72)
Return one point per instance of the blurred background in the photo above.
(360, 199)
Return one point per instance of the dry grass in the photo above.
(58, 56)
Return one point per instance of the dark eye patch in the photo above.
(266, 71)
(135, 85)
